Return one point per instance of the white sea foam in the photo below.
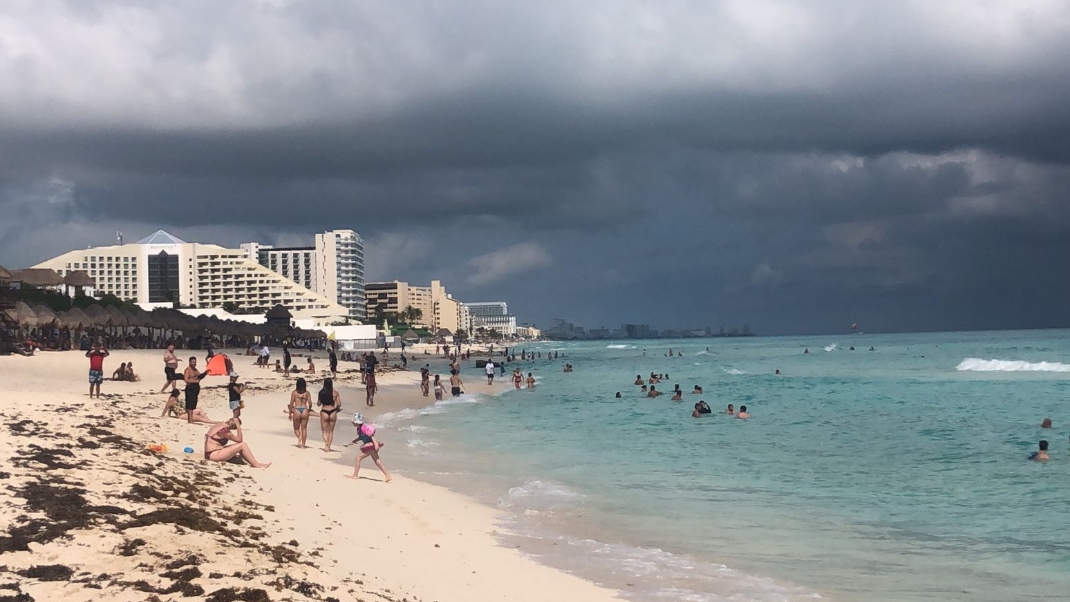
(975, 364)
(415, 443)
(831, 347)
(733, 371)
(620, 346)
(540, 496)
(436, 408)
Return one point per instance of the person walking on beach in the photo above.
(440, 391)
(170, 367)
(369, 447)
(518, 378)
(455, 383)
(531, 381)
(192, 378)
(96, 357)
(369, 381)
(286, 359)
(490, 372)
(425, 377)
(265, 357)
(300, 411)
(234, 391)
(218, 444)
(332, 359)
(330, 404)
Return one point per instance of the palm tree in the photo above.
(411, 315)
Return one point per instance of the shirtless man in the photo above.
(1042, 454)
(531, 381)
(639, 380)
(742, 414)
(653, 392)
(170, 367)
(192, 378)
(455, 383)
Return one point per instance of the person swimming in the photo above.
(697, 390)
(618, 395)
(677, 395)
(653, 392)
(639, 379)
(1046, 423)
(743, 413)
(731, 409)
(697, 413)
(1042, 454)
(704, 407)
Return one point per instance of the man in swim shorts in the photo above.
(192, 378)
(96, 357)
(455, 383)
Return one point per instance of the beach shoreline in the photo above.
(298, 522)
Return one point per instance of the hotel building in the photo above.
(164, 269)
(333, 267)
(493, 315)
(438, 308)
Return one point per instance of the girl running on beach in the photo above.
(369, 446)
(300, 410)
(440, 391)
(330, 404)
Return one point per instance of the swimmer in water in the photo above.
(697, 390)
(731, 409)
(653, 392)
(743, 413)
(618, 395)
(1046, 423)
(677, 395)
(806, 351)
(639, 380)
(698, 412)
(777, 371)
(643, 389)
(704, 407)
(1042, 454)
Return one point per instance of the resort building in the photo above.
(333, 266)
(438, 309)
(162, 269)
(493, 315)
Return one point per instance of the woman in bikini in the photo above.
(440, 391)
(330, 404)
(175, 408)
(300, 410)
(224, 440)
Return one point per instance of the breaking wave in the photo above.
(975, 364)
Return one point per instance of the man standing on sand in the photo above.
(369, 380)
(455, 383)
(425, 375)
(490, 372)
(96, 357)
(192, 379)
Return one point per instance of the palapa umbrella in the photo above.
(76, 318)
(24, 315)
(45, 315)
(410, 335)
(115, 316)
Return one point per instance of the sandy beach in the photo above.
(89, 512)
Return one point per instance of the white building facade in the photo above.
(493, 315)
(333, 267)
(164, 269)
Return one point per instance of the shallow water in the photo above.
(893, 474)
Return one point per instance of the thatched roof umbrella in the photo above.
(115, 316)
(96, 314)
(76, 319)
(410, 335)
(78, 279)
(443, 332)
(38, 277)
(24, 315)
(45, 315)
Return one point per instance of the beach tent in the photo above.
(217, 366)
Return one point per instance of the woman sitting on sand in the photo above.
(330, 404)
(224, 440)
(300, 411)
(129, 373)
(176, 409)
(120, 372)
(311, 367)
(369, 446)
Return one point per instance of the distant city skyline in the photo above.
(796, 166)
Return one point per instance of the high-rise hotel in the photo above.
(333, 267)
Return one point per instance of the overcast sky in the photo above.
(794, 165)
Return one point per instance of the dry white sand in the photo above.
(88, 513)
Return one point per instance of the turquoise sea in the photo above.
(893, 474)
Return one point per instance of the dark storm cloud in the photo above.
(788, 164)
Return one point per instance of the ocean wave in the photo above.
(734, 371)
(620, 346)
(436, 408)
(831, 347)
(415, 443)
(975, 364)
(540, 496)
